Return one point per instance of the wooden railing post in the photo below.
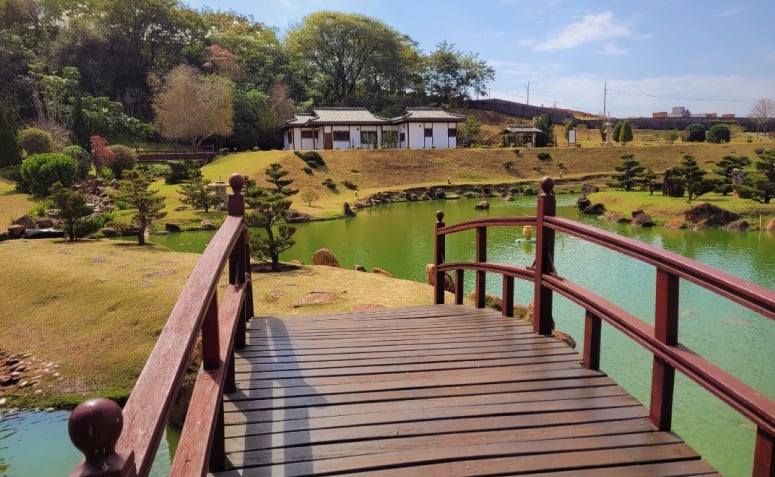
(665, 331)
(439, 254)
(481, 257)
(764, 454)
(542, 301)
(94, 427)
(592, 329)
(508, 296)
(211, 353)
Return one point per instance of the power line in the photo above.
(629, 93)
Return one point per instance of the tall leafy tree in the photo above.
(452, 76)
(80, 130)
(762, 112)
(194, 107)
(134, 190)
(339, 54)
(546, 125)
(761, 184)
(625, 133)
(630, 170)
(10, 152)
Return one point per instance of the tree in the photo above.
(625, 133)
(694, 133)
(196, 193)
(762, 112)
(73, 210)
(630, 173)
(124, 159)
(83, 158)
(649, 179)
(762, 182)
(343, 57)
(10, 153)
(569, 125)
(471, 130)
(101, 155)
(275, 174)
(616, 131)
(133, 190)
(694, 178)
(80, 130)
(545, 124)
(672, 136)
(269, 210)
(192, 106)
(309, 196)
(726, 168)
(451, 76)
(718, 133)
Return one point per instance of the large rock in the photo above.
(381, 271)
(348, 212)
(430, 277)
(596, 209)
(172, 228)
(26, 221)
(641, 219)
(583, 202)
(482, 205)
(16, 231)
(707, 215)
(324, 257)
(739, 225)
(440, 194)
(296, 217)
(771, 226)
(587, 189)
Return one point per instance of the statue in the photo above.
(609, 129)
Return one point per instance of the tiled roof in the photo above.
(428, 114)
(522, 129)
(344, 115)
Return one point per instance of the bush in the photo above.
(83, 158)
(508, 165)
(718, 133)
(694, 133)
(312, 158)
(350, 185)
(307, 170)
(124, 159)
(182, 171)
(36, 141)
(544, 156)
(330, 184)
(40, 171)
(12, 173)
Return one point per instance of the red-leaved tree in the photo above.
(101, 155)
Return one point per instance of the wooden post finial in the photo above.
(439, 216)
(94, 427)
(547, 185)
(237, 182)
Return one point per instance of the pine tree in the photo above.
(625, 133)
(197, 193)
(269, 211)
(10, 152)
(694, 178)
(80, 127)
(630, 173)
(275, 174)
(134, 191)
(73, 210)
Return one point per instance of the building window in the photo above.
(428, 132)
(309, 134)
(402, 137)
(452, 132)
(342, 136)
(369, 138)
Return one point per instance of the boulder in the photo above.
(348, 212)
(587, 189)
(26, 221)
(207, 224)
(324, 256)
(45, 223)
(4, 236)
(770, 226)
(614, 216)
(16, 231)
(430, 277)
(707, 215)
(583, 202)
(595, 209)
(739, 225)
(675, 224)
(426, 196)
(440, 194)
(109, 232)
(380, 271)
(642, 220)
(172, 228)
(482, 205)
(296, 217)
(359, 268)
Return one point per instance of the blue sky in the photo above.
(709, 56)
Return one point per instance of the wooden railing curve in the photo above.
(661, 339)
(124, 443)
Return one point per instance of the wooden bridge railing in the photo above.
(95, 427)
(661, 340)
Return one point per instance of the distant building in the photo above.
(348, 128)
(679, 112)
(660, 114)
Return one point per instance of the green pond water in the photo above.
(399, 239)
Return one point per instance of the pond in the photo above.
(399, 239)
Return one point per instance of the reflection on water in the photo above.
(36, 444)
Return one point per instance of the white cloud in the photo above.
(611, 48)
(591, 29)
(732, 11)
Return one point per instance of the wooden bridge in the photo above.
(201, 155)
(435, 390)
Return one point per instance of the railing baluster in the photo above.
(665, 331)
(481, 257)
(459, 289)
(542, 301)
(592, 329)
(210, 336)
(439, 257)
(508, 296)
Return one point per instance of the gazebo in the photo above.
(520, 136)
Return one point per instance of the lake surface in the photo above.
(399, 239)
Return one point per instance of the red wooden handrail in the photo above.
(95, 426)
(661, 339)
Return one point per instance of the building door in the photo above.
(328, 141)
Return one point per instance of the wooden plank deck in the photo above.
(441, 390)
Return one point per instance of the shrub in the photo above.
(307, 170)
(36, 141)
(718, 133)
(694, 133)
(40, 171)
(312, 158)
(544, 156)
(83, 158)
(508, 165)
(182, 171)
(329, 183)
(12, 173)
(350, 185)
(124, 159)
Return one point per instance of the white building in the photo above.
(352, 128)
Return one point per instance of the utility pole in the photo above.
(528, 93)
(605, 94)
